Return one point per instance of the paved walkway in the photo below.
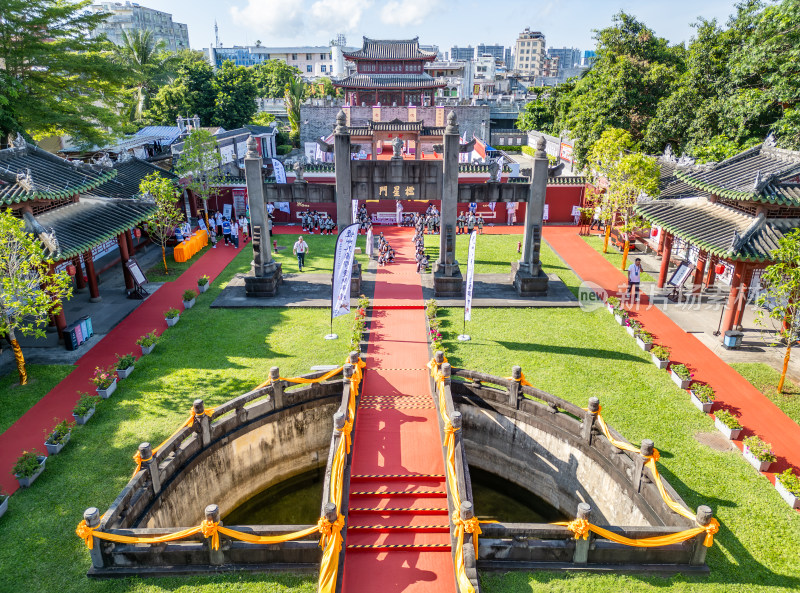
(27, 432)
(397, 491)
(758, 414)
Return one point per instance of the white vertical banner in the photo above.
(354, 208)
(342, 270)
(370, 243)
(470, 277)
(280, 172)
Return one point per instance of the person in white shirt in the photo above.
(399, 213)
(235, 233)
(634, 277)
(300, 249)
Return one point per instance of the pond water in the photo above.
(297, 501)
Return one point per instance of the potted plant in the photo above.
(632, 327)
(758, 453)
(58, 437)
(189, 297)
(644, 340)
(788, 486)
(202, 284)
(681, 375)
(125, 364)
(702, 396)
(660, 356)
(612, 303)
(172, 316)
(84, 408)
(620, 314)
(3, 503)
(28, 467)
(727, 424)
(147, 342)
(105, 381)
(431, 307)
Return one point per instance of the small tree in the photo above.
(780, 299)
(161, 225)
(292, 99)
(29, 290)
(200, 164)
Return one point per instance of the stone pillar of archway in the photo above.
(344, 185)
(447, 277)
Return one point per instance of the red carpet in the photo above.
(27, 432)
(758, 414)
(397, 492)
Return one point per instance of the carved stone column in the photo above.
(344, 185)
(447, 277)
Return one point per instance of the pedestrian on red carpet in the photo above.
(634, 277)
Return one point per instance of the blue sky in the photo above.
(442, 22)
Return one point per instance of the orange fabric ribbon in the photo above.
(210, 529)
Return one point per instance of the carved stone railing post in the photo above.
(92, 518)
(470, 562)
(589, 417)
(582, 546)
(151, 466)
(438, 356)
(645, 450)
(446, 372)
(704, 515)
(514, 389)
(277, 387)
(215, 557)
(203, 422)
(339, 418)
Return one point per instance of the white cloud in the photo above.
(408, 12)
(338, 15)
(289, 18)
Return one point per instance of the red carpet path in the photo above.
(27, 432)
(758, 415)
(397, 492)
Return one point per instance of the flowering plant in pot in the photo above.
(702, 396)
(681, 375)
(612, 303)
(620, 314)
(28, 467)
(84, 408)
(788, 486)
(660, 356)
(632, 326)
(105, 381)
(758, 453)
(189, 297)
(147, 342)
(172, 316)
(58, 437)
(431, 308)
(202, 283)
(125, 364)
(644, 339)
(727, 424)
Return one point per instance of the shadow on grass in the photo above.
(569, 351)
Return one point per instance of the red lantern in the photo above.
(719, 268)
(71, 270)
(137, 233)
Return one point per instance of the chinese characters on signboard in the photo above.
(397, 191)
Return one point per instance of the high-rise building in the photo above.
(131, 17)
(462, 53)
(588, 58)
(507, 58)
(496, 51)
(568, 57)
(529, 53)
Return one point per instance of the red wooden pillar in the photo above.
(59, 318)
(80, 283)
(129, 239)
(699, 270)
(123, 254)
(712, 273)
(661, 234)
(665, 255)
(734, 300)
(94, 292)
(743, 295)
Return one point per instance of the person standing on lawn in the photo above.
(480, 224)
(300, 249)
(634, 277)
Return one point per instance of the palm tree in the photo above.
(149, 67)
(293, 98)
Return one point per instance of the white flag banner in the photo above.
(342, 270)
(280, 172)
(354, 209)
(470, 277)
(370, 242)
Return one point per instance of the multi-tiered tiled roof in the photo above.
(397, 49)
(390, 81)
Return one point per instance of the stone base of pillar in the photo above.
(355, 280)
(527, 284)
(448, 286)
(264, 286)
(95, 299)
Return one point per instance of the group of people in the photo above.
(429, 222)
(313, 221)
(227, 228)
(466, 223)
(364, 222)
(419, 251)
(385, 251)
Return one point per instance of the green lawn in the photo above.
(155, 273)
(764, 378)
(213, 354)
(20, 398)
(493, 253)
(321, 249)
(614, 255)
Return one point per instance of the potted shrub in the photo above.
(431, 308)
(612, 303)
(147, 342)
(788, 486)
(3, 503)
(758, 453)
(660, 356)
(681, 375)
(702, 396)
(727, 424)
(58, 437)
(105, 381)
(125, 364)
(620, 314)
(632, 327)
(202, 284)
(28, 467)
(172, 316)
(189, 297)
(84, 408)
(644, 340)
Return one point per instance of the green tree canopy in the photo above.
(191, 92)
(235, 96)
(272, 76)
(161, 224)
(199, 164)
